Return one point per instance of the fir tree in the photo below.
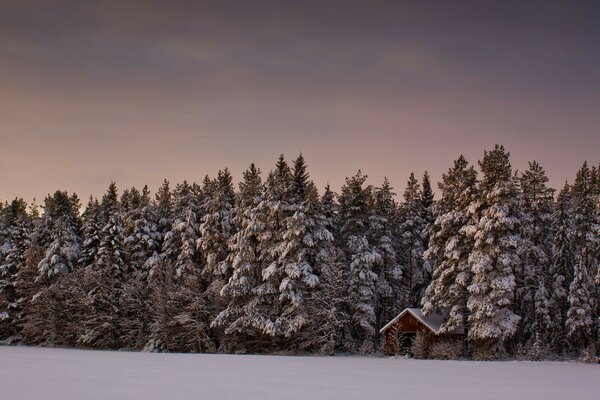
(411, 232)
(103, 319)
(355, 203)
(495, 229)
(562, 267)
(61, 237)
(389, 271)
(15, 225)
(242, 317)
(450, 247)
(91, 231)
(536, 256)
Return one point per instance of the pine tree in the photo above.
(242, 317)
(585, 222)
(363, 257)
(303, 234)
(562, 267)
(103, 316)
(15, 225)
(140, 229)
(580, 326)
(495, 229)
(536, 256)
(173, 272)
(163, 205)
(450, 247)
(389, 271)
(61, 237)
(91, 231)
(411, 229)
(216, 226)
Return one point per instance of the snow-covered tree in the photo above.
(15, 228)
(242, 318)
(362, 257)
(496, 231)
(91, 232)
(537, 203)
(103, 302)
(450, 247)
(411, 232)
(580, 324)
(563, 262)
(216, 226)
(304, 233)
(382, 223)
(61, 224)
(140, 230)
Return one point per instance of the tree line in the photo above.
(276, 267)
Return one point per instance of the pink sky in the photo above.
(145, 92)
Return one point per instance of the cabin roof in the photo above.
(433, 321)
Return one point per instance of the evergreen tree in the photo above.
(216, 226)
(140, 230)
(562, 267)
(536, 256)
(91, 232)
(303, 234)
(450, 247)
(61, 237)
(580, 326)
(242, 318)
(15, 228)
(495, 229)
(389, 271)
(103, 311)
(411, 232)
(363, 257)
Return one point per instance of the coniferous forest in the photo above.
(277, 266)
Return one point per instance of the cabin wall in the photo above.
(408, 324)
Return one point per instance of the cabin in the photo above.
(399, 333)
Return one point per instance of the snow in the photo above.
(59, 374)
(433, 321)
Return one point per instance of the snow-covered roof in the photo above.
(433, 321)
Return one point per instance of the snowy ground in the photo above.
(49, 374)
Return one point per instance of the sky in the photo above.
(140, 91)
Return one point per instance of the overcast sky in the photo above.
(141, 91)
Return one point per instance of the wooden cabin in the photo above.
(400, 332)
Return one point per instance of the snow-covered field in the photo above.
(49, 374)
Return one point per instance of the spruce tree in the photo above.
(362, 257)
(91, 232)
(580, 326)
(563, 262)
(496, 231)
(382, 223)
(242, 317)
(450, 247)
(61, 236)
(216, 226)
(304, 233)
(104, 312)
(537, 203)
(15, 226)
(411, 232)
